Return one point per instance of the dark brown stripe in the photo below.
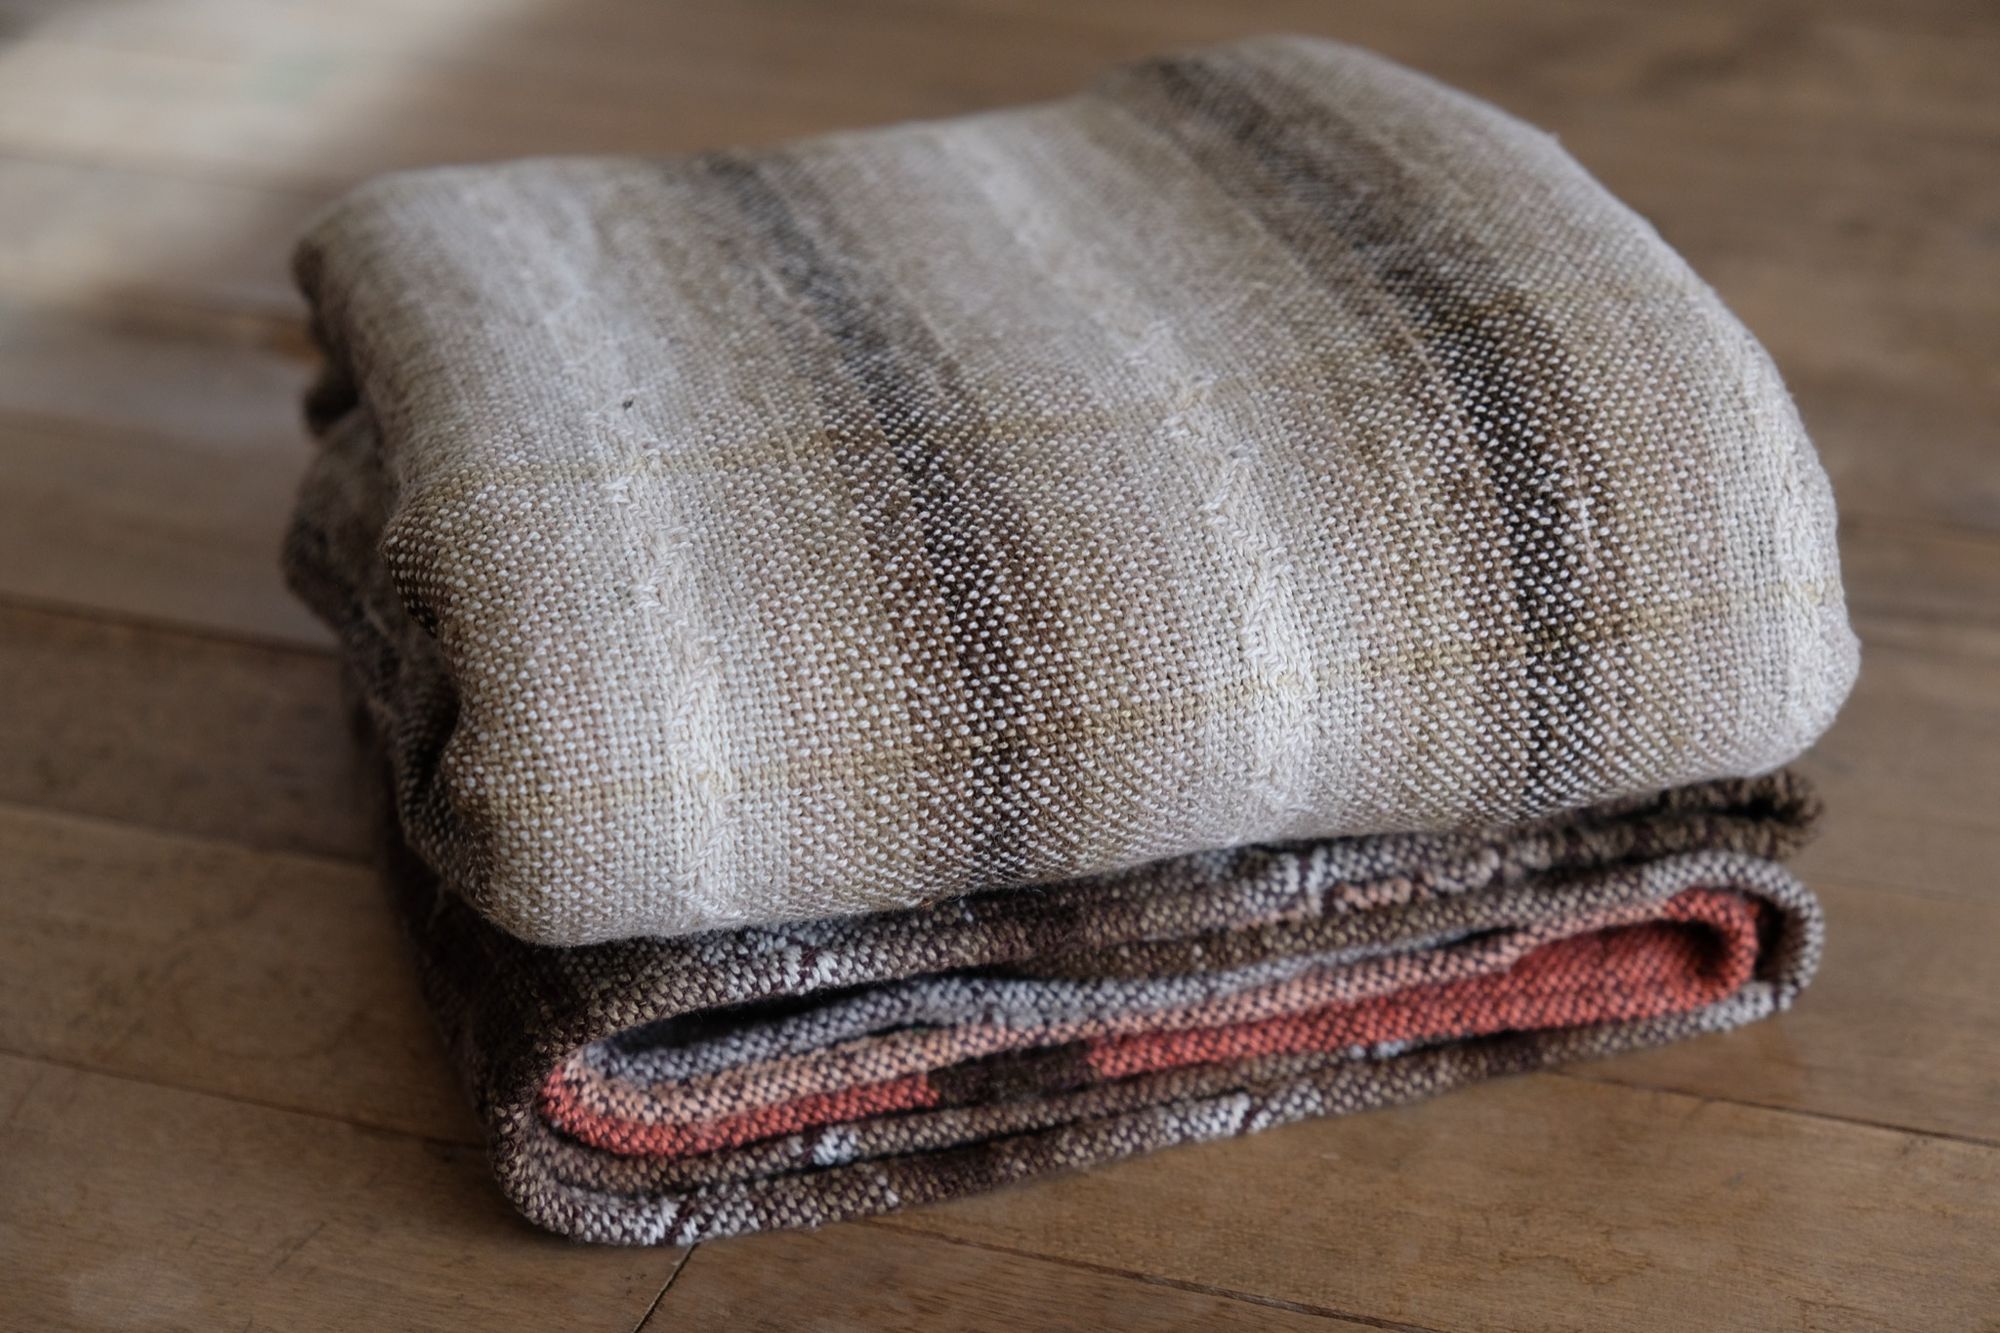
(1008, 1075)
(1334, 196)
(915, 407)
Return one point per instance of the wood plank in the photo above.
(81, 236)
(274, 99)
(315, 121)
(202, 24)
(1914, 452)
(1544, 1203)
(1911, 772)
(129, 1205)
(866, 1277)
(187, 991)
(1612, 49)
(1907, 217)
(1888, 322)
(1902, 1028)
(279, 980)
(145, 525)
(158, 372)
(179, 732)
(150, 447)
(339, 1014)
(1756, 78)
(1921, 588)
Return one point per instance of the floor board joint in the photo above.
(1153, 1279)
(665, 1287)
(469, 1141)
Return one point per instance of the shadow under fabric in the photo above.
(925, 657)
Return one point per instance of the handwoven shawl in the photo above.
(929, 655)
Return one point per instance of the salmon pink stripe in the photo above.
(1622, 973)
(1702, 948)
(563, 1109)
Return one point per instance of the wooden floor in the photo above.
(220, 1103)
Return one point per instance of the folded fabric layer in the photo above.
(675, 1090)
(1267, 444)
(927, 656)
(1639, 962)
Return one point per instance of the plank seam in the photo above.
(1155, 1279)
(135, 622)
(12, 807)
(470, 1142)
(666, 1286)
(1612, 1080)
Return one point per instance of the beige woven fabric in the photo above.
(1266, 444)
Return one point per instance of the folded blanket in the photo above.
(676, 1090)
(931, 655)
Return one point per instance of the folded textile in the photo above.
(672, 1090)
(1267, 444)
(930, 655)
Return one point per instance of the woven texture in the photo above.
(926, 657)
(667, 1091)
(1267, 444)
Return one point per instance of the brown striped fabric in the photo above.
(765, 571)
(1267, 444)
(684, 1012)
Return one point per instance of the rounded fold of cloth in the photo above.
(678, 1090)
(1266, 444)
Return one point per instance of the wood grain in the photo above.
(223, 1105)
(274, 979)
(149, 237)
(1547, 1204)
(875, 1277)
(209, 381)
(129, 1205)
(178, 731)
(1911, 773)
(82, 523)
(335, 99)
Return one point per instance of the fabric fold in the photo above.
(930, 655)
(665, 1090)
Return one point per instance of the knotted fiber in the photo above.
(929, 655)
